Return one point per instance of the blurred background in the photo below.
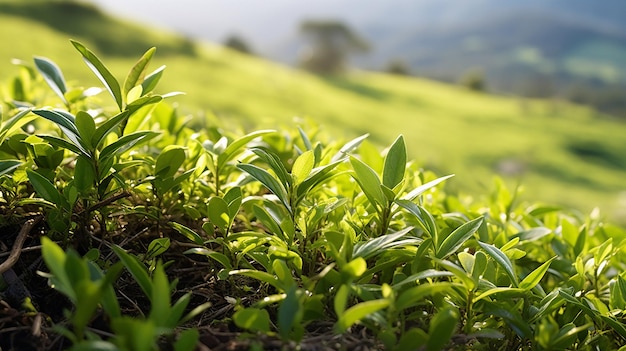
(532, 91)
(575, 49)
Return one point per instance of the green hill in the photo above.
(561, 153)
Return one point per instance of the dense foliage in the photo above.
(157, 236)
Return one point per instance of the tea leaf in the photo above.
(136, 269)
(94, 63)
(422, 188)
(357, 312)
(302, 166)
(151, 80)
(502, 260)
(534, 277)
(138, 71)
(367, 249)
(86, 127)
(52, 75)
(84, 174)
(395, 163)
(252, 319)
(458, 237)
(188, 233)
(107, 127)
(219, 213)
(348, 147)
(369, 182)
(8, 166)
(44, 187)
(169, 160)
(441, 328)
(235, 147)
(126, 142)
(269, 181)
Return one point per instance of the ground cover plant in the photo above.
(562, 154)
(126, 229)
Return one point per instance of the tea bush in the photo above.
(157, 236)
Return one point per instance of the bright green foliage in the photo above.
(302, 231)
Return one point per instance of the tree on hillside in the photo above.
(330, 43)
(236, 42)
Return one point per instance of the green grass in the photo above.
(560, 153)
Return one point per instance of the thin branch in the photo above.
(16, 250)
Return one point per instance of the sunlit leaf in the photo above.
(94, 63)
(138, 71)
(395, 163)
(53, 75)
(357, 312)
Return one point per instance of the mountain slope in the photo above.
(561, 153)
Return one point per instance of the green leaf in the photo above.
(136, 269)
(106, 128)
(341, 299)
(275, 164)
(502, 260)
(235, 147)
(253, 319)
(442, 327)
(126, 142)
(219, 213)
(261, 276)
(138, 71)
(169, 160)
(357, 312)
(457, 238)
(534, 277)
(369, 182)
(217, 256)
(187, 340)
(63, 119)
(302, 166)
(426, 220)
(52, 75)
(97, 67)
(157, 247)
(8, 166)
(316, 177)
(84, 174)
(395, 163)
(415, 278)
(188, 233)
(160, 299)
(86, 127)
(354, 269)
(370, 248)
(348, 147)
(14, 123)
(422, 188)
(532, 234)
(416, 295)
(268, 181)
(233, 198)
(55, 258)
(64, 144)
(44, 187)
(290, 313)
(152, 79)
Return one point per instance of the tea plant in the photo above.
(278, 239)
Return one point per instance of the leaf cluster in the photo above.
(296, 231)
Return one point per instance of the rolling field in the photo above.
(560, 153)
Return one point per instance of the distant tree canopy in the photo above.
(399, 67)
(236, 42)
(330, 43)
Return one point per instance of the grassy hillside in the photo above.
(561, 153)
